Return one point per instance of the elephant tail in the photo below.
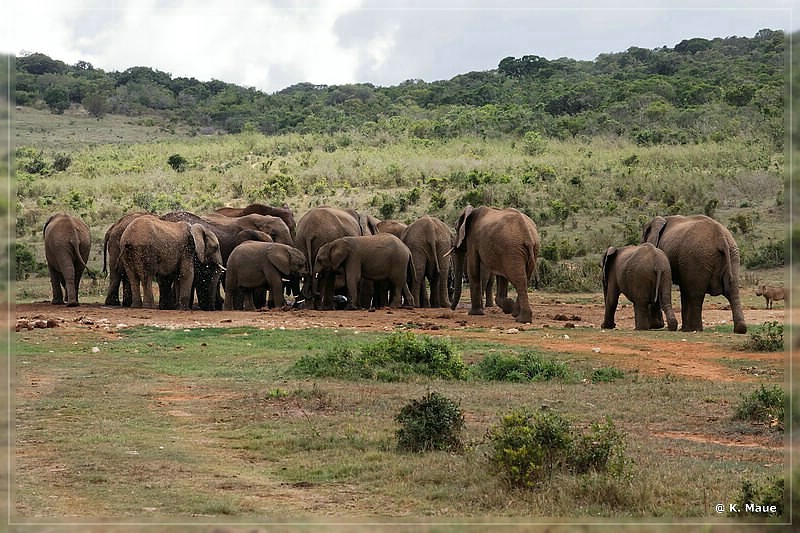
(105, 254)
(76, 248)
(656, 289)
(727, 271)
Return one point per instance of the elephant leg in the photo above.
(612, 299)
(127, 294)
(148, 299)
(247, 299)
(692, 312)
(641, 316)
(55, 283)
(69, 275)
(487, 282)
(654, 318)
(352, 278)
(525, 315)
(276, 290)
(165, 295)
(112, 293)
(508, 305)
(476, 286)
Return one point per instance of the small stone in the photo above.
(95, 349)
(596, 350)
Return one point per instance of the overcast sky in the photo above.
(271, 44)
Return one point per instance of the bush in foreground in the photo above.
(768, 338)
(530, 366)
(764, 404)
(433, 422)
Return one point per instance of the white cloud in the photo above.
(380, 47)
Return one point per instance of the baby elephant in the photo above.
(260, 265)
(642, 273)
(771, 294)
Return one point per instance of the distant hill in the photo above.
(696, 91)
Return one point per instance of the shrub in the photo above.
(433, 422)
(770, 493)
(528, 448)
(568, 277)
(763, 405)
(394, 358)
(177, 162)
(607, 374)
(771, 255)
(529, 366)
(61, 162)
(533, 143)
(25, 262)
(768, 338)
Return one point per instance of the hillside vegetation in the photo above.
(589, 150)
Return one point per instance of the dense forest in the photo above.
(698, 90)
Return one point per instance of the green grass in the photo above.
(203, 431)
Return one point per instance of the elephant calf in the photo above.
(257, 265)
(66, 248)
(771, 294)
(381, 257)
(642, 273)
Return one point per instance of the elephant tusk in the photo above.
(450, 251)
(222, 268)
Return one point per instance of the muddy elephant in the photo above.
(259, 266)
(642, 273)
(284, 213)
(503, 242)
(112, 262)
(320, 226)
(704, 260)
(155, 249)
(66, 248)
(381, 257)
(208, 277)
(430, 241)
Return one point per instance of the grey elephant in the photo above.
(395, 227)
(704, 260)
(320, 226)
(503, 242)
(275, 227)
(67, 243)
(258, 266)
(430, 242)
(112, 262)
(381, 257)
(642, 273)
(208, 277)
(284, 213)
(155, 249)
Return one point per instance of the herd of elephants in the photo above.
(349, 259)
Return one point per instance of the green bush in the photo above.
(61, 162)
(177, 162)
(533, 143)
(529, 366)
(768, 494)
(768, 338)
(766, 405)
(397, 357)
(25, 262)
(528, 448)
(433, 422)
(607, 374)
(771, 255)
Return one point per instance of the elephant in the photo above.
(395, 227)
(771, 294)
(704, 260)
(429, 240)
(284, 213)
(275, 227)
(164, 250)
(259, 265)
(112, 262)
(381, 257)
(320, 226)
(642, 273)
(67, 243)
(503, 242)
(208, 277)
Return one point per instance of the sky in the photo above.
(272, 44)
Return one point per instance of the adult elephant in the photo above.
(704, 259)
(66, 248)
(275, 227)
(284, 213)
(429, 240)
(165, 251)
(642, 273)
(112, 262)
(381, 257)
(319, 226)
(395, 227)
(209, 277)
(503, 242)
(258, 266)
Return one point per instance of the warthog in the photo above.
(771, 294)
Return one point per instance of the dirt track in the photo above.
(692, 355)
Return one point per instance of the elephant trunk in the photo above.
(458, 272)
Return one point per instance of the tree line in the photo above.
(700, 90)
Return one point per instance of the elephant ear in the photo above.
(339, 252)
(653, 230)
(51, 217)
(461, 226)
(280, 259)
(605, 264)
(198, 235)
(367, 223)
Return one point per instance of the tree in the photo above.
(56, 99)
(96, 104)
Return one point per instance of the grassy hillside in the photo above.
(585, 193)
